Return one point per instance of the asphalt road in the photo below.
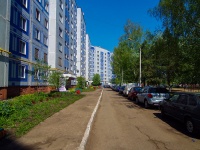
(122, 125)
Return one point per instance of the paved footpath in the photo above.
(62, 131)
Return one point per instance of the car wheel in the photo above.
(189, 126)
(162, 112)
(146, 105)
(136, 100)
(131, 98)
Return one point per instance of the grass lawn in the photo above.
(20, 114)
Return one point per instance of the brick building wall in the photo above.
(9, 92)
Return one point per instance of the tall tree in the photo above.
(181, 17)
(81, 82)
(96, 80)
(55, 79)
(126, 56)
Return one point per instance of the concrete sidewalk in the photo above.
(62, 131)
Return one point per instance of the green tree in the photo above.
(81, 82)
(55, 79)
(41, 72)
(181, 17)
(125, 59)
(96, 80)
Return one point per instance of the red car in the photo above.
(133, 92)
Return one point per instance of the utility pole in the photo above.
(140, 66)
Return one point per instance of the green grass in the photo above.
(21, 114)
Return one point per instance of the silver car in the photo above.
(152, 96)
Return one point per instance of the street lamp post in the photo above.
(140, 66)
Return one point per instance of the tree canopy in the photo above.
(169, 56)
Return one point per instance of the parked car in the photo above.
(113, 87)
(106, 86)
(121, 89)
(152, 96)
(128, 87)
(184, 107)
(117, 88)
(133, 92)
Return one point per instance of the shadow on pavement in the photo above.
(8, 143)
(179, 126)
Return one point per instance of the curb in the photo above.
(87, 131)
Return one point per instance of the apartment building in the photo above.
(49, 32)
(100, 63)
(4, 46)
(81, 44)
(88, 46)
(28, 44)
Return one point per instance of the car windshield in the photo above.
(137, 89)
(158, 90)
(123, 87)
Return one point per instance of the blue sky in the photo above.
(105, 19)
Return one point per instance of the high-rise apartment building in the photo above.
(100, 63)
(29, 27)
(4, 46)
(51, 32)
(72, 53)
(88, 46)
(81, 44)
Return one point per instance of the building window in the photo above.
(60, 32)
(60, 18)
(71, 67)
(46, 23)
(36, 54)
(21, 71)
(61, 4)
(36, 74)
(14, 43)
(71, 57)
(24, 2)
(23, 23)
(60, 62)
(22, 47)
(45, 41)
(15, 18)
(37, 34)
(45, 75)
(13, 70)
(46, 6)
(37, 15)
(60, 47)
(45, 57)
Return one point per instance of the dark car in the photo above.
(117, 88)
(121, 89)
(184, 107)
(133, 92)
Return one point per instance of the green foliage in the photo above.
(81, 82)
(55, 79)
(89, 89)
(41, 71)
(96, 80)
(181, 18)
(24, 112)
(6, 109)
(125, 59)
